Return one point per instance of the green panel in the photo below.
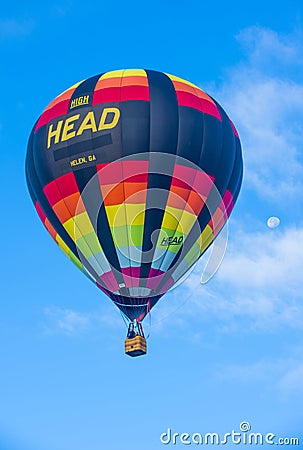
(89, 245)
(75, 260)
(128, 235)
(120, 236)
(193, 254)
(136, 235)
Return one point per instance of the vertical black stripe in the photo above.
(191, 134)
(134, 127)
(164, 125)
(85, 89)
(223, 171)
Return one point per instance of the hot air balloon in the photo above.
(134, 173)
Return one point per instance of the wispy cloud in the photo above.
(283, 373)
(264, 46)
(259, 281)
(264, 100)
(73, 323)
(66, 321)
(11, 28)
(258, 286)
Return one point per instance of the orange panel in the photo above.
(75, 204)
(62, 211)
(108, 82)
(134, 81)
(137, 192)
(196, 202)
(50, 229)
(68, 207)
(183, 87)
(179, 192)
(113, 195)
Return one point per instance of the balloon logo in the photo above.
(134, 173)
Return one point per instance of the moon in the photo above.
(273, 222)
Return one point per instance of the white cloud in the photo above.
(292, 379)
(265, 102)
(285, 374)
(10, 28)
(263, 44)
(66, 321)
(72, 323)
(258, 282)
(270, 260)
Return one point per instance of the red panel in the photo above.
(188, 99)
(115, 172)
(135, 93)
(203, 183)
(102, 288)
(168, 284)
(106, 95)
(52, 193)
(185, 174)
(135, 168)
(234, 129)
(210, 108)
(110, 281)
(142, 178)
(60, 188)
(191, 178)
(67, 184)
(155, 276)
(110, 173)
(40, 212)
(131, 276)
(179, 183)
(59, 109)
(228, 201)
(201, 104)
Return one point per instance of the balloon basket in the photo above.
(135, 346)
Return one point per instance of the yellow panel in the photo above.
(62, 244)
(131, 214)
(205, 238)
(186, 222)
(69, 226)
(112, 74)
(83, 224)
(78, 226)
(170, 220)
(134, 214)
(134, 73)
(179, 220)
(174, 78)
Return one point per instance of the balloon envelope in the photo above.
(134, 173)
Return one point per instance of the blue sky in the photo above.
(219, 354)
